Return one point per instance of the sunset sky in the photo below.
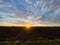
(34, 12)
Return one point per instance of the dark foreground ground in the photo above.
(32, 36)
(35, 33)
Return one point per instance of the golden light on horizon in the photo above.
(27, 26)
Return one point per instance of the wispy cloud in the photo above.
(1, 0)
(44, 12)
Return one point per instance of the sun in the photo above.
(27, 26)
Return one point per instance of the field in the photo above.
(33, 36)
(41, 42)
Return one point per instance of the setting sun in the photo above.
(28, 26)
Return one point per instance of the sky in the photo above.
(34, 12)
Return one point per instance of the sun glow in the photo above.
(28, 26)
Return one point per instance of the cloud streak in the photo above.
(44, 12)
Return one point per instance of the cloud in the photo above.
(44, 12)
(28, 1)
(1, 0)
(8, 14)
(5, 5)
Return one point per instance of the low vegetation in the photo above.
(37, 42)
